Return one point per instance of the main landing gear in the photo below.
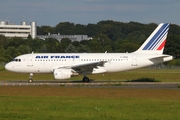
(30, 78)
(85, 79)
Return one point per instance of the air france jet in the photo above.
(66, 65)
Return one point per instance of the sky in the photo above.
(52, 12)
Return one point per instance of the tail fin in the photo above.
(155, 43)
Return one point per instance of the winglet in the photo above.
(156, 41)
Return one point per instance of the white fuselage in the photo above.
(114, 62)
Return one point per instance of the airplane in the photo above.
(66, 65)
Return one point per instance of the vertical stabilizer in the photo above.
(155, 43)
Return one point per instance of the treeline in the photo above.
(110, 36)
(113, 36)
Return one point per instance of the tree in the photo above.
(104, 41)
(29, 37)
(43, 49)
(52, 45)
(24, 49)
(76, 43)
(70, 49)
(16, 41)
(2, 53)
(92, 30)
(173, 46)
(10, 53)
(3, 41)
(95, 46)
(35, 44)
(45, 30)
(83, 49)
(80, 29)
(65, 28)
(65, 43)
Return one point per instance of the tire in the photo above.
(30, 80)
(86, 79)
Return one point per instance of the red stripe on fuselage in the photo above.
(162, 45)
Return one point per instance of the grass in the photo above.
(46, 103)
(163, 75)
(2, 68)
(67, 103)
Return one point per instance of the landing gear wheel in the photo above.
(30, 80)
(85, 79)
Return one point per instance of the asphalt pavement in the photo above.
(112, 84)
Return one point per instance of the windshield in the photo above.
(17, 60)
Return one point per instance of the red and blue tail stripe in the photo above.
(158, 39)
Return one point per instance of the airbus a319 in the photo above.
(66, 65)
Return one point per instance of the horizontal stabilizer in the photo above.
(162, 56)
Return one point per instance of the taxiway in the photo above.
(112, 84)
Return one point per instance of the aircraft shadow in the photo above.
(143, 80)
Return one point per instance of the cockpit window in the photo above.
(17, 60)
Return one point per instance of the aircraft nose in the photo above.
(8, 67)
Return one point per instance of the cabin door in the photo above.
(134, 60)
(30, 60)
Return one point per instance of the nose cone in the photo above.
(9, 67)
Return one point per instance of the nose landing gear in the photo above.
(30, 78)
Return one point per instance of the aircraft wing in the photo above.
(90, 65)
(87, 67)
(84, 68)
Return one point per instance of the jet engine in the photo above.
(62, 73)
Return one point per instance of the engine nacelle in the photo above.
(62, 74)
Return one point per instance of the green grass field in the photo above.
(163, 75)
(86, 103)
(45, 103)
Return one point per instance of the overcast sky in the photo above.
(51, 12)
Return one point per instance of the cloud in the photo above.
(33, 5)
(85, 11)
(93, 0)
(104, 8)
